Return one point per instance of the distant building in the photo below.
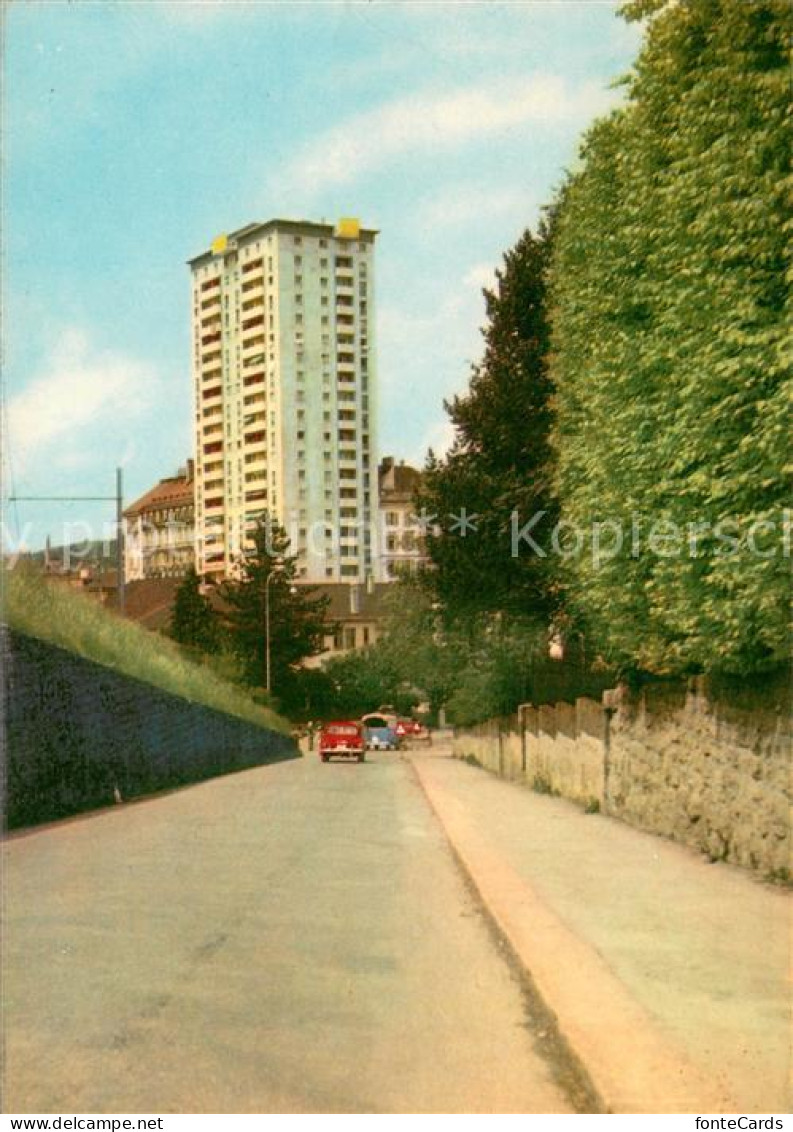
(160, 530)
(403, 548)
(285, 382)
(88, 567)
(357, 612)
(94, 580)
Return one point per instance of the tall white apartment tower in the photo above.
(285, 382)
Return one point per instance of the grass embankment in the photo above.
(76, 623)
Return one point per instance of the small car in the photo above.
(420, 733)
(380, 734)
(342, 738)
(411, 731)
(381, 739)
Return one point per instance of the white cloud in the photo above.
(480, 275)
(459, 205)
(443, 331)
(80, 389)
(429, 122)
(439, 437)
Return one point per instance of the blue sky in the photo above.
(137, 131)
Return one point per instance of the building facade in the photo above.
(285, 384)
(403, 549)
(357, 614)
(159, 540)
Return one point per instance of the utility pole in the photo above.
(120, 539)
(276, 569)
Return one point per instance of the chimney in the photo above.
(190, 469)
(355, 598)
(370, 583)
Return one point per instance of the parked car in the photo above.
(343, 738)
(413, 732)
(379, 732)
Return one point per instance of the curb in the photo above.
(633, 1066)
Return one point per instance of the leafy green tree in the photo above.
(426, 647)
(265, 577)
(194, 622)
(362, 681)
(311, 695)
(501, 459)
(413, 661)
(671, 345)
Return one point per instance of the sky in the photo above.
(137, 130)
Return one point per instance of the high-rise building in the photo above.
(285, 384)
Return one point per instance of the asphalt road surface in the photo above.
(291, 939)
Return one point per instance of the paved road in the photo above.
(669, 975)
(291, 939)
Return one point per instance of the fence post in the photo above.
(522, 714)
(609, 699)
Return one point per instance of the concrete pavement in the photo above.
(295, 939)
(669, 976)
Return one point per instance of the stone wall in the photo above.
(705, 764)
(79, 735)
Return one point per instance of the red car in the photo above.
(343, 738)
(411, 730)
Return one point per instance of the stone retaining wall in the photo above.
(79, 735)
(707, 765)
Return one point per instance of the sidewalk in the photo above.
(669, 976)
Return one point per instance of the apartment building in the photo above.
(159, 539)
(403, 545)
(285, 386)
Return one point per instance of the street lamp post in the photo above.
(267, 672)
(277, 568)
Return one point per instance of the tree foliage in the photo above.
(363, 681)
(410, 663)
(266, 575)
(194, 622)
(500, 462)
(671, 344)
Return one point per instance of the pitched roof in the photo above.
(149, 601)
(355, 602)
(398, 479)
(176, 491)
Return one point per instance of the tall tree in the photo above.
(670, 337)
(501, 461)
(194, 622)
(424, 642)
(266, 579)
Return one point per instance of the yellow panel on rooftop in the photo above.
(348, 228)
(219, 244)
